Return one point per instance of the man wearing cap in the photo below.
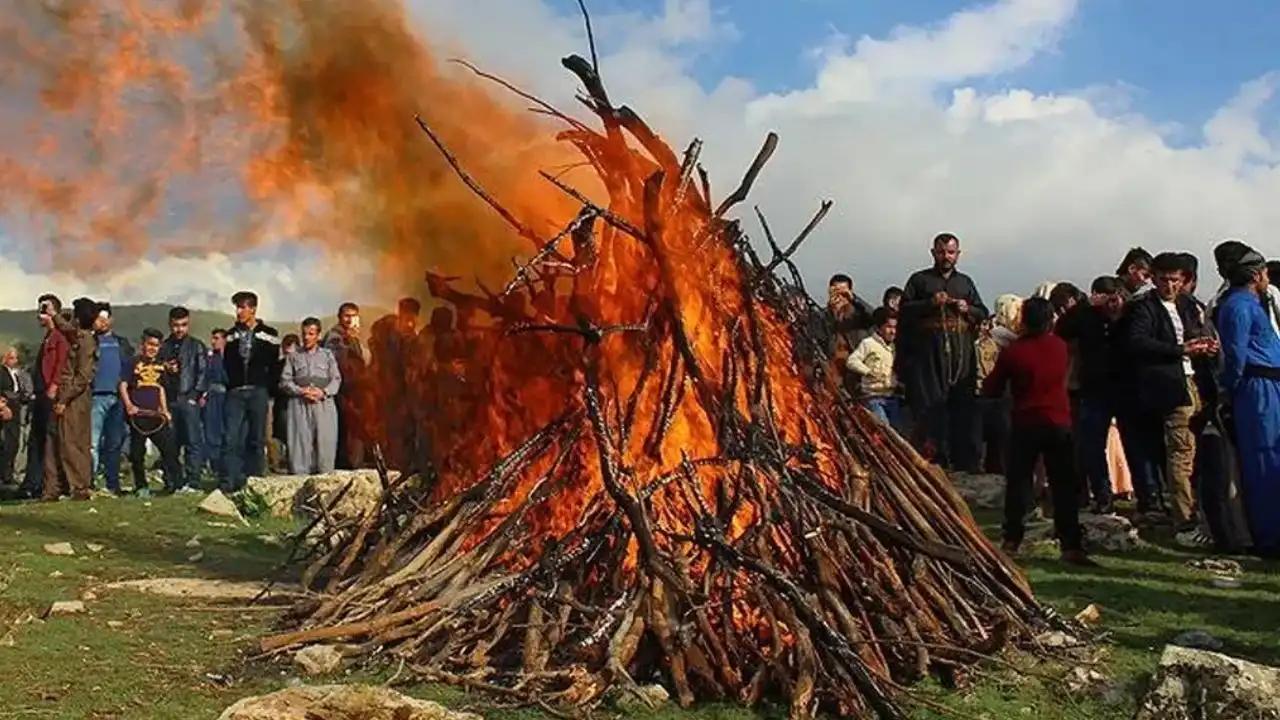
(107, 419)
(1251, 384)
(249, 358)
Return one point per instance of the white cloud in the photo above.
(1036, 185)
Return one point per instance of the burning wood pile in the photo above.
(655, 485)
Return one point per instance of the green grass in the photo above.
(134, 655)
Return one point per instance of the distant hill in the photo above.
(20, 326)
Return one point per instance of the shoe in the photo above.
(187, 490)
(1078, 558)
(143, 493)
(1103, 509)
(1194, 539)
(1010, 548)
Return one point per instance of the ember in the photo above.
(646, 481)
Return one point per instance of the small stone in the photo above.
(55, 574)
(115, 624)
(269, 540)
(644, 696)
(196, 557)
(8, 640)
(94, 547)
(1090, 615)
(215, 503)
(1197, 640)
(62, 548)
(318, 660)
(93, 511)
(194, 542)
(123, 523)
(88, 596)
(1056, 640)
(221, 634)
(65, 607)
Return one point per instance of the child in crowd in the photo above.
(872, 360)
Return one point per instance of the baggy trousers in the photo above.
(67, 452)
(312, 429)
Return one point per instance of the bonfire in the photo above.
(655, 483)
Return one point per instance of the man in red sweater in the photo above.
(1035, 368)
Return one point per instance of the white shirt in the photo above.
(1178, 331)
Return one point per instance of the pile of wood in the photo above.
(657, 484)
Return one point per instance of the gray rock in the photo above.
(1197, 640)
(278, 491)
(340, 702)
(318, 660)
(644, 697)
(215, 503)
(1111, 533)
(62, 548)
(1202, 685)
(65, 607)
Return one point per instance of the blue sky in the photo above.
(1179, 59)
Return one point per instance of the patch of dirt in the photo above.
(204, 589)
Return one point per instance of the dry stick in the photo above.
(600, 211)
(523, 270)
(795, 244)
(543, 105)
(591, 38)
(749, 179)
(776, 250)
(521, 229)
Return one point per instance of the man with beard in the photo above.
(941, 312)
(354, 358)
(186, 383)
(847, 321)
(1251, 385)
(67, 454)
(50, 360)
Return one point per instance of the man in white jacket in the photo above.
(872, 362)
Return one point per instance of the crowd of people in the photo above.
(1045, 390)
(1037, 389)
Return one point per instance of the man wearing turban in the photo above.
(1251, 384)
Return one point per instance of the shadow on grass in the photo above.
(156, 546)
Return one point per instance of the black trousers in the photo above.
(166, 443)
(10, 440)
(1029, 443)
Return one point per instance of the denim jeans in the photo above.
(214, 420)
(1093, 427)
(245, 436)
(188, 439)
(885, 408)
(107, 437)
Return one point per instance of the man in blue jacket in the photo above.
(107, 427)
(250, 358)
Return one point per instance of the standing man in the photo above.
(354, 358)
(107, 419)
(67, 457)
(215, 404)
(16, 392)
(941, 312)
(1167, 334)
(250, 358)
(310, 381)
(186, 385)
(50, 360)
(1134, 272)
(393, 340)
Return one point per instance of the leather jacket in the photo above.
(192, 378)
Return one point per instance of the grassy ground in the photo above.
(132, 655)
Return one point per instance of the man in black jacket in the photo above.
(186, 385)
(15, 390)
(1167, 333)
(250, 358)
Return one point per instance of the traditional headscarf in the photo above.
(1227, 254)
(1243, 269)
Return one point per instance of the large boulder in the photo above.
(340, 702)
(276, 491)
(317, 494)
(1201, 685)
(982, 492)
